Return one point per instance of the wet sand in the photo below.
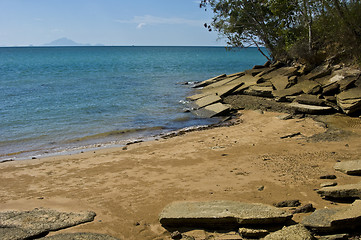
(129, 188)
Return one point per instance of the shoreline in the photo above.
(128, 188)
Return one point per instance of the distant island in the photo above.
(67, 42)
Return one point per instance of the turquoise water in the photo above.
(55, 99)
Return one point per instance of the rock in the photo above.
(212, 110)
(310, 87)
(328, 184)
(205, 101)
(328, 176)
(197, 96)
(280, 82)
(292, 91)
(259, 91)
(349, 167)
(341, 191)
(252, 233)
(80, 236)
(294, 232)
(38, 221)
(335, 219)
(220, 214)
(309, 99)
(254, 72)
(347, 83)
(339, 236)
(176, 235)
(310, 109)
(288, 203)
(285, 117)
(210, 81)
(220, 83)
(225, 89)
(331, 89)
(320, 71)
(304, 209)
(350, 100)
(14, 233)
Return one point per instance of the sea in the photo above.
(58, 100)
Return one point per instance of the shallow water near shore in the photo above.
(59, 99)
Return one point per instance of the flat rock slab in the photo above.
(350, 100)
(218, 214)
(294, 232)
(13, 233)
(310, 100)
(205, 101)
(38, 221)
(80, 236)
(310, 109)
(210, 81)
(341, 191)
(335, 219)
(349, 167)
(212, 110)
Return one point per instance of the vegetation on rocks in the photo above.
(307, 31)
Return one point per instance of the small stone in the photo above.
(252, 233)
(328, 184)
(176, 235)
(125, 148)
(304, 209)
(294, 232)
(288, 203)
(261, 188)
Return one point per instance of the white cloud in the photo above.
(142, 21)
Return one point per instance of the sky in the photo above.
(107, 22)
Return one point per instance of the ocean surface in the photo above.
(61, 99)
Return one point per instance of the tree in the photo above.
(290, 29)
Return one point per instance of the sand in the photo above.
(129, 188)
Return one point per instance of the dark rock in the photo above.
(288, 203)
(319, 72)
(291, 135)
(328, 176)
(304, 209)
(331, 89)
(176, 235)
(220, 214)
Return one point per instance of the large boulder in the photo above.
(341, 191)
(294, 232)
(335, 219)
(349, 167)
(220, 214)
(26, 224)
(350, 100)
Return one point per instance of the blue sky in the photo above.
(108, 22)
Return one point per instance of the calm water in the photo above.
(64, 98)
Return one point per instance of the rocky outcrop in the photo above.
(323, 90)
(220, 214)
(335, 219)
(29, 224)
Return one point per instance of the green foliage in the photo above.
(303, 30)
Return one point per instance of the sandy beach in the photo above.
(253, 161)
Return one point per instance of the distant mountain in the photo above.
(64, 42)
